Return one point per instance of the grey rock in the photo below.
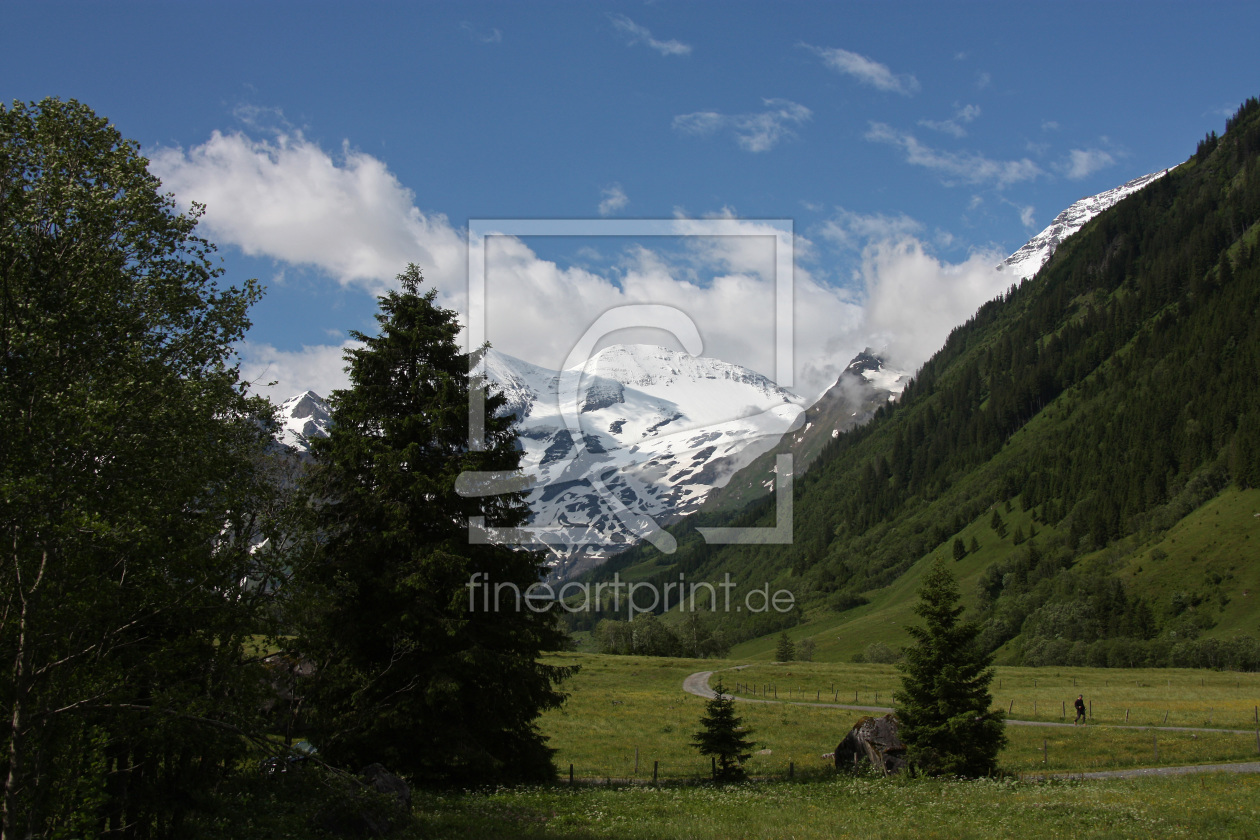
(872, 740)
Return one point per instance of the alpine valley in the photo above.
(1084, 452)
(639, 436)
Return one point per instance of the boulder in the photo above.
(872, 740)
(374, 809)
(383, 781)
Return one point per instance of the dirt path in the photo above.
(698, 684)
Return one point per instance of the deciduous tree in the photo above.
(129, 457)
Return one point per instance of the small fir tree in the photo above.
(785, 651)
(944, 708)
(998, 524)
(960, 549)
(724, 737)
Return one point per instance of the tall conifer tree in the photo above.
(415, 670)
(944, 707)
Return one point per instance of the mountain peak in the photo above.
(1029, 259)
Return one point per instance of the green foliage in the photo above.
(805, 650)
(784, 650)
(723, 736)
(1112, 395)
(960, 549)
(418, 668)
(878, 653)
(695, 635)
(130, 478)
(944, 707)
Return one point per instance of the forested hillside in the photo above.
(1095, 407)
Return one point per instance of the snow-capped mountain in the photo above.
(303, 418)
(1029, 259)
(640, 435)
(867, 383)
(634, 438)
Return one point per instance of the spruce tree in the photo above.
(423, 663)
(784, 651)
(724, 737)
(944, 707)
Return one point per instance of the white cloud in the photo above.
(614, 199)
(983, 80)
(1027, 213)
(636, 34)
(1049, 125)
(348, 216)
(319, 368)
(913, 300)
(758, 132)
(965, 167)
(908, 300)
(491, 36)
(853, 231)
(866, 70)
(954, 125)
(290, 200)
(1081, 163)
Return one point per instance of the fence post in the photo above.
(714, 760)
(1063, 714)
(570, 775)
(1126, 715)
(1012, 708)
(636, 761)
(1166, 715)
(1091, 709)
(1045, 751)
(655, 766)
(791, 769)
(1155, 744)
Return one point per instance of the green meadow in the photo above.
(622, 704)
(1216, 805)
(618, 705)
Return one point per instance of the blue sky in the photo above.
(910, 144)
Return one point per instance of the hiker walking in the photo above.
(1080, 709)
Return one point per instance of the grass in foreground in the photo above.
(1217, 805)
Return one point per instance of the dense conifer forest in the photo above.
(1107, 398)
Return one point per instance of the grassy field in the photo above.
(1146, 697)
(620, 704)
(1203, 557)
(1216, 805)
